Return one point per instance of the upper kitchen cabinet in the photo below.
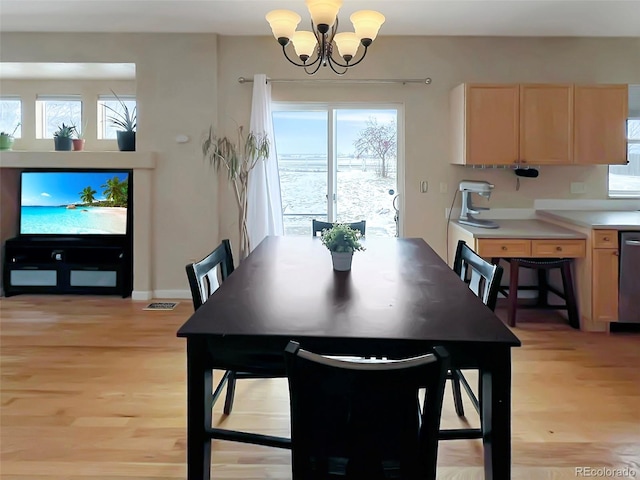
(538, 124)
(512, 124)
(485, 124)
(546, 124)
(600, 118)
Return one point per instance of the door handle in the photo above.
(632, 243)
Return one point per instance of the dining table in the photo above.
(400, 299)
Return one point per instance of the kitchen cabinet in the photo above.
(538, 124)
(546, 124)
(600, 118)
(525, 247)
(605, 276)
(485, 124)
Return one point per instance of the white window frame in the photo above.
(15, 98)
(41, 122)
(625, 193)
(332, 153)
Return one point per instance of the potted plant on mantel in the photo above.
(78, 142)
(342, 241)
(238, 159)
(6, 139)
(125, 121)
(62, 138)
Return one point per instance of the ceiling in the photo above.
(597, 18)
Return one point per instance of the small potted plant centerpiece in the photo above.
(62, 138)
(6, 139)
(126, 122)
(342, 241)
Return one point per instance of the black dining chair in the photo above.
(362, 419)
(205, 276)
(318, 226)
(483, 279)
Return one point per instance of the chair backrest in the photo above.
(361, 419)
(483, 277)
(203, 275)
(318, 226)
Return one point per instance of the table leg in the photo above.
(199, 411)
(496, 415)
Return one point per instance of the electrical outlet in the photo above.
(424, 186)
(578, 187)
(444, 187)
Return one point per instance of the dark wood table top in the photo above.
(398, 289)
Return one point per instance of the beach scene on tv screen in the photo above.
(73, 203)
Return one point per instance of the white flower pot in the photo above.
(342, 261)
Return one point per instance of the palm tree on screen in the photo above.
(87, 195)
(116, 191)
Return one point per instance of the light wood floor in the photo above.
(94, 388)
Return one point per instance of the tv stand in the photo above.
(74, 265)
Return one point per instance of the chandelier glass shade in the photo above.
(318, 47)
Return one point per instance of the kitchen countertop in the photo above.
(538, 229)
(596, 219)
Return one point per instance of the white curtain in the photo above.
(264, 202)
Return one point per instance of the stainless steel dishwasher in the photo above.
(629, 290)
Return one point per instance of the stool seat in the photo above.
(535, 262)
(542, 265)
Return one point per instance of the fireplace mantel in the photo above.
(142, 164)
(83, 159)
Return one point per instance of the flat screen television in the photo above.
(75, 202)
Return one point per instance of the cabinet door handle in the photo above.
(559, 249)
(616, 253)
(504, 248)
(606, 239)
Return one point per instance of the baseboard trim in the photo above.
(164, 294)
(141, 295)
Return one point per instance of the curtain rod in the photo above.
(424, 81)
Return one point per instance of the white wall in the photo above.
(186, 82)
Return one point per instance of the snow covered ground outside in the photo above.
(361, 195)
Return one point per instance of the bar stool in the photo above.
(542, 266)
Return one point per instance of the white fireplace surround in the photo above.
(142, 164)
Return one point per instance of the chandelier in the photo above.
(324, 39)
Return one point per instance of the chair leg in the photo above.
(457, 394)
(570, 298)
(543, 288)
(231, 390)
(512, 300)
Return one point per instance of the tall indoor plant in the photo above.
(238, 158)
(126, 122)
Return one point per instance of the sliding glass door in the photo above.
(338, 164)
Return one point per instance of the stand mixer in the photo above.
(467, 187)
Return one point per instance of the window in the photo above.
(53, 111)
(11, 116)
(106, 130)
(624, 180)
(337, 164)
